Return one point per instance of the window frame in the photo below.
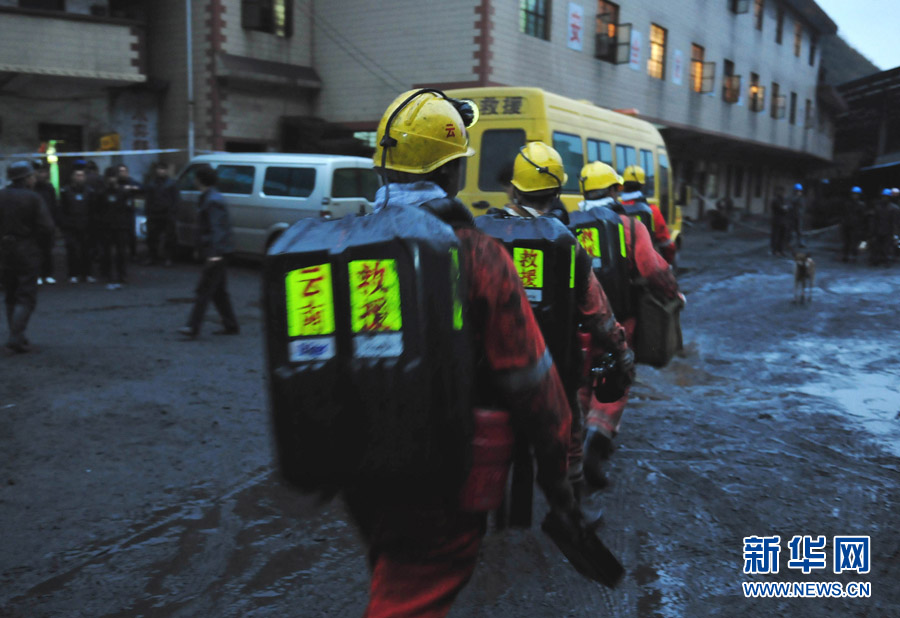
(649, 189)
(656, 60)
(572, 184)
(813, 47)
(739, 7)
(759, 13)
(606, 32)
(260, 16)
(778, 102)
(798, 38)
(236, 167)
(756, 94)
(541, 20)
(598, 143)
(793, 110)
(291, 169)
(731, 86)
(779, 25)
(625, 149)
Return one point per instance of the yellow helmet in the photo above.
(597, 176)
(538, 167)
(426, 131)
(635, 173)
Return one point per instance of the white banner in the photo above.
(677, 67)
(576, 26)
(635, 58)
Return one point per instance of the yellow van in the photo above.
(579, 130)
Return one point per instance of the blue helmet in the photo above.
(19, 170)
(855, 190)
(886, 192)
(798, 187)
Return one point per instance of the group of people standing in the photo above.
(877, 223)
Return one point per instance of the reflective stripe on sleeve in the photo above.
(513, 381)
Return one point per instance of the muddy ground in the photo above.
(136, 469)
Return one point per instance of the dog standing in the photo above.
(804, 277)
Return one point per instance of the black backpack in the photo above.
(543, 250)
(370, 360)
(641, 210)
(602, 234)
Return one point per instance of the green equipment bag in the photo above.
(370, 362)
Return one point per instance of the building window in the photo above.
(656, 64)
(731, 89)
(272, 16)
(807, 114)
(739, 6)
(757, 94)
(798, 37)
(613, 40)
(777, 102)
(534, 18)
(793, 117)
(779, 25)
(703, 74)
(813, 44)
(43, 5)
(738, 181)
(759, 10)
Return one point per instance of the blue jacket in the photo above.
(214, 226)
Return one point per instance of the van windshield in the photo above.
(499, 148)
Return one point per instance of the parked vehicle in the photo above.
(267, 192)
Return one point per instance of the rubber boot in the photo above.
(19, 322)
(597, 447)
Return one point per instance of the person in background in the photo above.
(114, 218)
(161, 206)
(131, 187)
(796, 208)
(216, 246)
(779, 223)
(76, 201)
(47, 191)
(851, 224)
(24, 220)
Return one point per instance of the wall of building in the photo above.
(368, 53)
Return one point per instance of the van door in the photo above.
(352, 191)
(235, 181)
(186, 214)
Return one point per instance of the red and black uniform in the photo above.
(646, 263)
(423, 551)
(662, 239)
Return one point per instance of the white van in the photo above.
(266, 193)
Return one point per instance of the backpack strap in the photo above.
(451, 211)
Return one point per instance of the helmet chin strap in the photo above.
(541, 169)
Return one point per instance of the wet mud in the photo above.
(136, 469)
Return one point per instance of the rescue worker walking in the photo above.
(538, 178)
(216, 246)
(24, 220)
(423, 548)
(600, 187)
(161, 204)
(111, 212)
(131, 187)
(779, 235)
(851, 224)
(635, 178)
(47, 191)
(796, 208)
(76, 202)
(881, 230)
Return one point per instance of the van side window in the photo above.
(185, 182)
(289, 181)
(647, 163)
(354, 182)
(499, 148)
(625, 156)
(235, 179)
(569, 148)
(598, 150)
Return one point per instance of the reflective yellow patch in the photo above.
(310, 301)
(530, 266)
(572, 269)
(622, 240)
(374, 296)
(454, 281)
(589, 238)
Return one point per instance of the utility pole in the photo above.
(190, 79)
